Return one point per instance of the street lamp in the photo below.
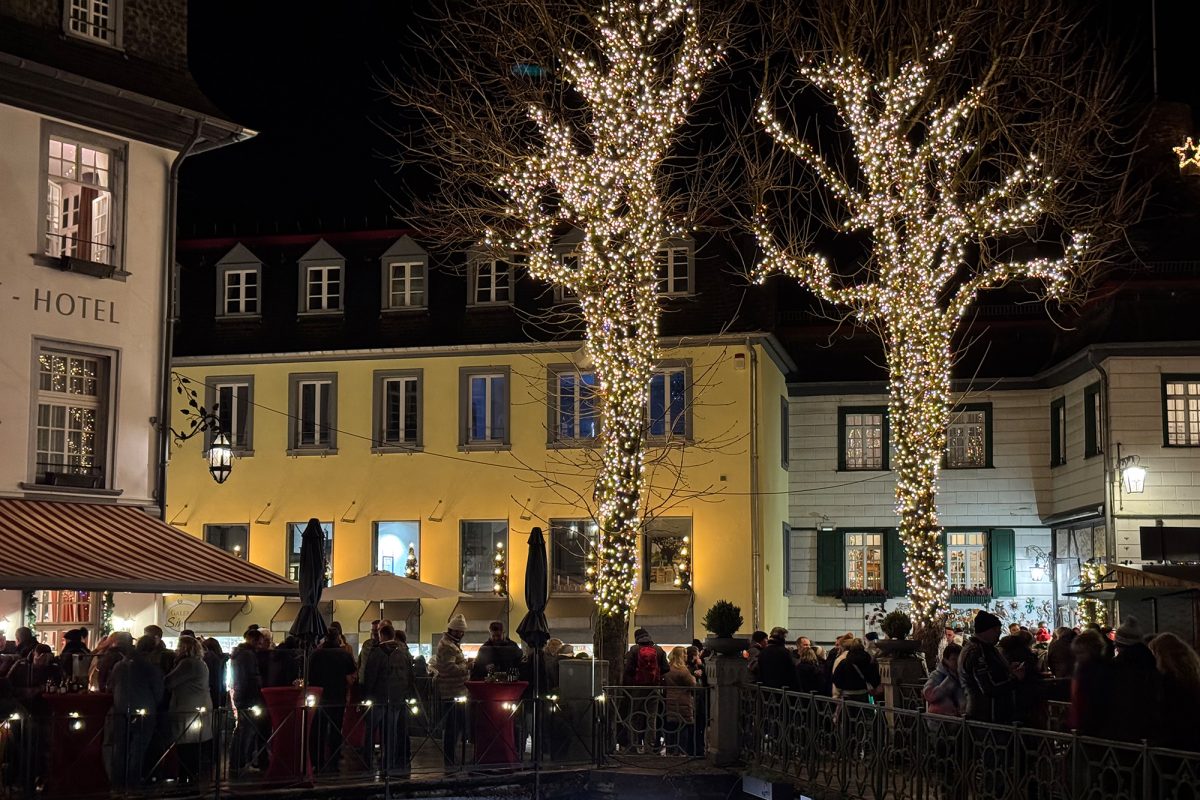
(1037, 572)
(220, 458)
(1133, 475)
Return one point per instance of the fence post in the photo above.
(727, 675)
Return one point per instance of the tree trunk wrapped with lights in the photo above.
(940, 181)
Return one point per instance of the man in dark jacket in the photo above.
(989, 682)
(253, 725)
(776, 668)
(758, 640)
(499, 653)
(331, 668)
(388, 682)
(1135, 701)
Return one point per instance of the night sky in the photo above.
(307, 82)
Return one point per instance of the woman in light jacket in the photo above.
(944, 690)
(679, 705)
(189, 710)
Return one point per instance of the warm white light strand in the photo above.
(610, 191)
(907, 197)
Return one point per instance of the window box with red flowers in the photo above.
(848, 596)
(970, 594)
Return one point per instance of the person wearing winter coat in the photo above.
(1029, 705)
(856, 677)
(758, 640)
(331, 668)
(137, 690)
(776, 669)
(641, 638)
(1180, 669)
(679, 705)
(943, 691)
(1135, 703)
(989, 681)
(1059, 661)
(809, 673)
(499, 654)
(388, 683)
(450, 669)
(189, 709)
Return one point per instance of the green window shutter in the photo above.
(893, 564)
(1003, 556)
(831, 562)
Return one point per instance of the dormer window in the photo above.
(405, 274)
(674, 269)
(491, 282)
(94, 20)
(322, 282)
(239, 284)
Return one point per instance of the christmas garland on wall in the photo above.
(106, 614)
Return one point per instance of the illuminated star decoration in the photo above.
(1189, 154)
(603, 177)
(907, 197)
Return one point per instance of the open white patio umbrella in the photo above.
(384, 587)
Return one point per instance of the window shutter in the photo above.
(831, 562)
(1003, 557)
(893, 564)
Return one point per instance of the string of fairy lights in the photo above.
(610, 190)
(907, 196)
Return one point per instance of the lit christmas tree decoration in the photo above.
(905, 193)
(604, 178)
(410, 563)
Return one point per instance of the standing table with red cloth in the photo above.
(289, 738)
(493, 708)
(76, 731)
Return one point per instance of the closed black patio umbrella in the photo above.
(533, 628)
(535, 633)
(309, 626)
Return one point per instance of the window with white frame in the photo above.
(71, 418)
(406, 284)
(323, 287)
(966, 439)
(487, 408)
(400, 411)
(570, 262)
(314, 412)
(667, 402)
(572, 555)
(240, 291)
(575, 414)
(966, 560)
(864, 561)
(80, 203)
(1181, 410)
(296, 539)
(674, 270)
(398, 547)
(233, 403)
(863, 437)
(492, 282)
(93, 19)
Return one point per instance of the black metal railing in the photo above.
(75, 745)
(856, 750)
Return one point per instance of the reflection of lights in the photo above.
(256, 711)
(73, 714)
(460, 699)
(14, 717)
(600, 698)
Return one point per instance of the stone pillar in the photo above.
(726, 676)
(895, 670)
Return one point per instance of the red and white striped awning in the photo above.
(89, 546)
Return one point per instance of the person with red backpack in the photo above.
(645, 666)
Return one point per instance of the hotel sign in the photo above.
(66, 304)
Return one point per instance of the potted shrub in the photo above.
(723, 621)
(897, 625)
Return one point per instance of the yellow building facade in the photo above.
(433, 460)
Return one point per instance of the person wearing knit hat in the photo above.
(1130, 633)
(989, 682)
(450, 669)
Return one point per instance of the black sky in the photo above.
(304, 76)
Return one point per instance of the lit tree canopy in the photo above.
(940, 178)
